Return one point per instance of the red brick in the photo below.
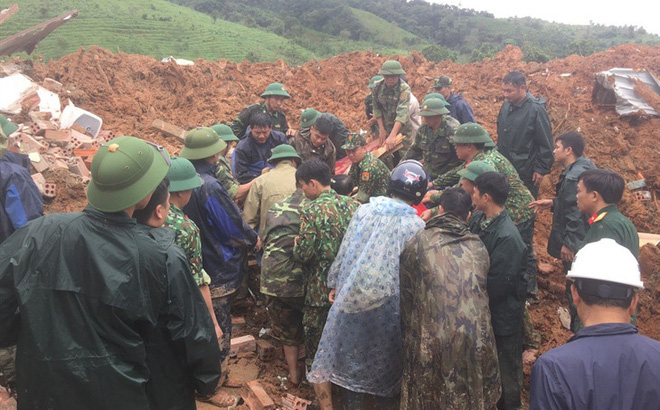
(50, 190)
(242, 344)
(52, 85)
(30, 144)
(169, 130)
(40, 115)
(42, 165)
(237, 323)
(58, 137)
(40, 127)
(78, 139)
(40, 182)
(266, 351)
(255, 396)
(291, 402)
(78, 167)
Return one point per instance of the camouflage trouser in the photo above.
(286, 316)
(509, 355)
(314, 318)
(351, 400)
(222, 310)
(531, 338)
(8, 367)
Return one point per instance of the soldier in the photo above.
(391, 98)
(271, 187)
(323, 221)
(170, 384)
(524, 134)
(372, 124)
(225, 236)
(506, 280)
(365, 296)
(569, 225)
(101, 292)
(598, 193)
(274, 97)
(235, 190)
(369, 172)
(332, 128)
(432, 142)
(342, 184)
(313, 140)
(252, 153)
(458, 107)
(282, 279)
(450, 357)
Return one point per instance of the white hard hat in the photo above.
(608, 261)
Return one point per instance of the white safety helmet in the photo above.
(608, 261)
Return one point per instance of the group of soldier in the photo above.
(404, 283)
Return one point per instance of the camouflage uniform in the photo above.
(326, 152)
(187, 237)
(434, 148)
(450, 355)
(323, 222)
(371, 176)
(393, 104)
(281, 275)
(226, 178)
(240, 124)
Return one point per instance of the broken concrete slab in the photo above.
(14, 88)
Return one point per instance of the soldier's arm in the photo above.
(240, 124)
(575, 225)
(252, 205)
(449, 178)
(414, 152)
(543, 137)
(306, 243)
(465, 113)
(403, 107)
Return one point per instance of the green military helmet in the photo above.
(432, 107)
(436, 95)
(354, 140)
(471, 133)
(182, 175)
(474, 169)
(441, 82)
(373, 80)
(283, 151)
(391, 67)
(202, 142)
(7, 126)
(225, 132)
(275, 89)
(124, 171)
(309, 117)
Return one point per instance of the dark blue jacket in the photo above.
(460, 109)
(250, 157)
(225, 236)
(20, 200)
(606, 366)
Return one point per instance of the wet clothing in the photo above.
(226, 177)
(241, 123)
(605, 366)
(393, 104)
(460, 109)
(569, 225)
(273, 186)
(286, 315)
(450, 358)
(365, 274)
(434, 148)
(225, 236)
(20, 199)
(250, 157)
(609, 222)
(314, 318)
(369, 111)
(187, 238)
(90, 287)
(371, 176)
(281, 274)
(413, 112)
(524, 137)
(183, 355)
(326, 152)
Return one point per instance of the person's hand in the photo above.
(537, 178)
(382, 135)
(332, 294)
(371, 122)
(427, 196)
(567, 255)
(259, 244)
(390, 142)
(426, 215)
(290, 132)
(541, 205)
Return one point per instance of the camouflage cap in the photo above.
(474, 169)
(373, 80)
(442, 82)
(471, 133)
(433, 107)
(354, 140)
(436, 95)
(391, 67)
(225, 132)
(309, 117)
(202, 142)
(276, 90)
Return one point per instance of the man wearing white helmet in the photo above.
(606, 365)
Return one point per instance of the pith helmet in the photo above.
(309, 117)
(225, 132)
(283, 151)
(182, 175)
(353, 141)
(202, 142)
(275, 89)
(8, 127)
(438, 96)
(373, 80)
(432, 107)
(124, 171)
(391, 67)
(471, 133)
(474, 169)
(606, 261)
(442, 82)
